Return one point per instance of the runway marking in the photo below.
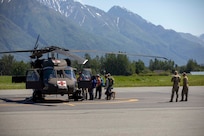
(116, 101)
(133, 100)
(72, 105)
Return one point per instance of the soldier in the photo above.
(98, 86)
(185, 87)
(176, 83)
(84, 90)
(109, 86)
(91, 89)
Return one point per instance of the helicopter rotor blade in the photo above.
(36, 43)
(39, 52)
(120, 53)
(35, 52)
(139, 55)
(79, 59)
(17, 51)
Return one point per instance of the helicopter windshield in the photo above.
(66, 73)
(69, 73)
(62, 73)
(86, 75)
(32, 76)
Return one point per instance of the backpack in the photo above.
(94, 83)
(111, 81)
(102, 82)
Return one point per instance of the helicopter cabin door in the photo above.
(33, 80)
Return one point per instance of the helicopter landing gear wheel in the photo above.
(37, 95)
(77, 95)
(34, 97)
(67, 95)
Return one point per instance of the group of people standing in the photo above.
(176, 79)
(97, 83)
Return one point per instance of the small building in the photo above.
(197, 72)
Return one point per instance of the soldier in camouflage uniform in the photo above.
(185, 88)
(109, 86)
(176, 83)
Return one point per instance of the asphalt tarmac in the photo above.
(139, 111)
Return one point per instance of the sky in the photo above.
(180, 15)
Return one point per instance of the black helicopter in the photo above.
(51, 75)
(56, 76)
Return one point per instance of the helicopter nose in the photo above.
(62, 84)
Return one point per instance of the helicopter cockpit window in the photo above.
(48, 73)
(69, 74)
(32, 76)
(85, 76)
(60, 74)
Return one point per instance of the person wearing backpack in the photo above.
(109, 86)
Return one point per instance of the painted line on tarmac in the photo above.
(116, 101)
(72, 105)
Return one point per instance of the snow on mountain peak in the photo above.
(2, 1)
(57, 5)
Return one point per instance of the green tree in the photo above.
(118, 64)
(19, 68)
(161, 65)
(110, 64)
(6, 64)
(139, 66)
(123, 65)
(192, 66)
(94, 64)
(182, 69)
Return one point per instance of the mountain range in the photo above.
(72, 25)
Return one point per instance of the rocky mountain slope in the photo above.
(72, 25)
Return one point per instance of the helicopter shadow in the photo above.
(28, 100)
(163, 102)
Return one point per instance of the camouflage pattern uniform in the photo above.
(108, 86)
(176, 83)
(185, 88)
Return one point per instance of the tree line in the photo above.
(110, 63)
(121, 65)
(10, 66)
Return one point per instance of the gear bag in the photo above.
(111, 81)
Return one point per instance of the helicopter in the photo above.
(52, 75)
(56, 76)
